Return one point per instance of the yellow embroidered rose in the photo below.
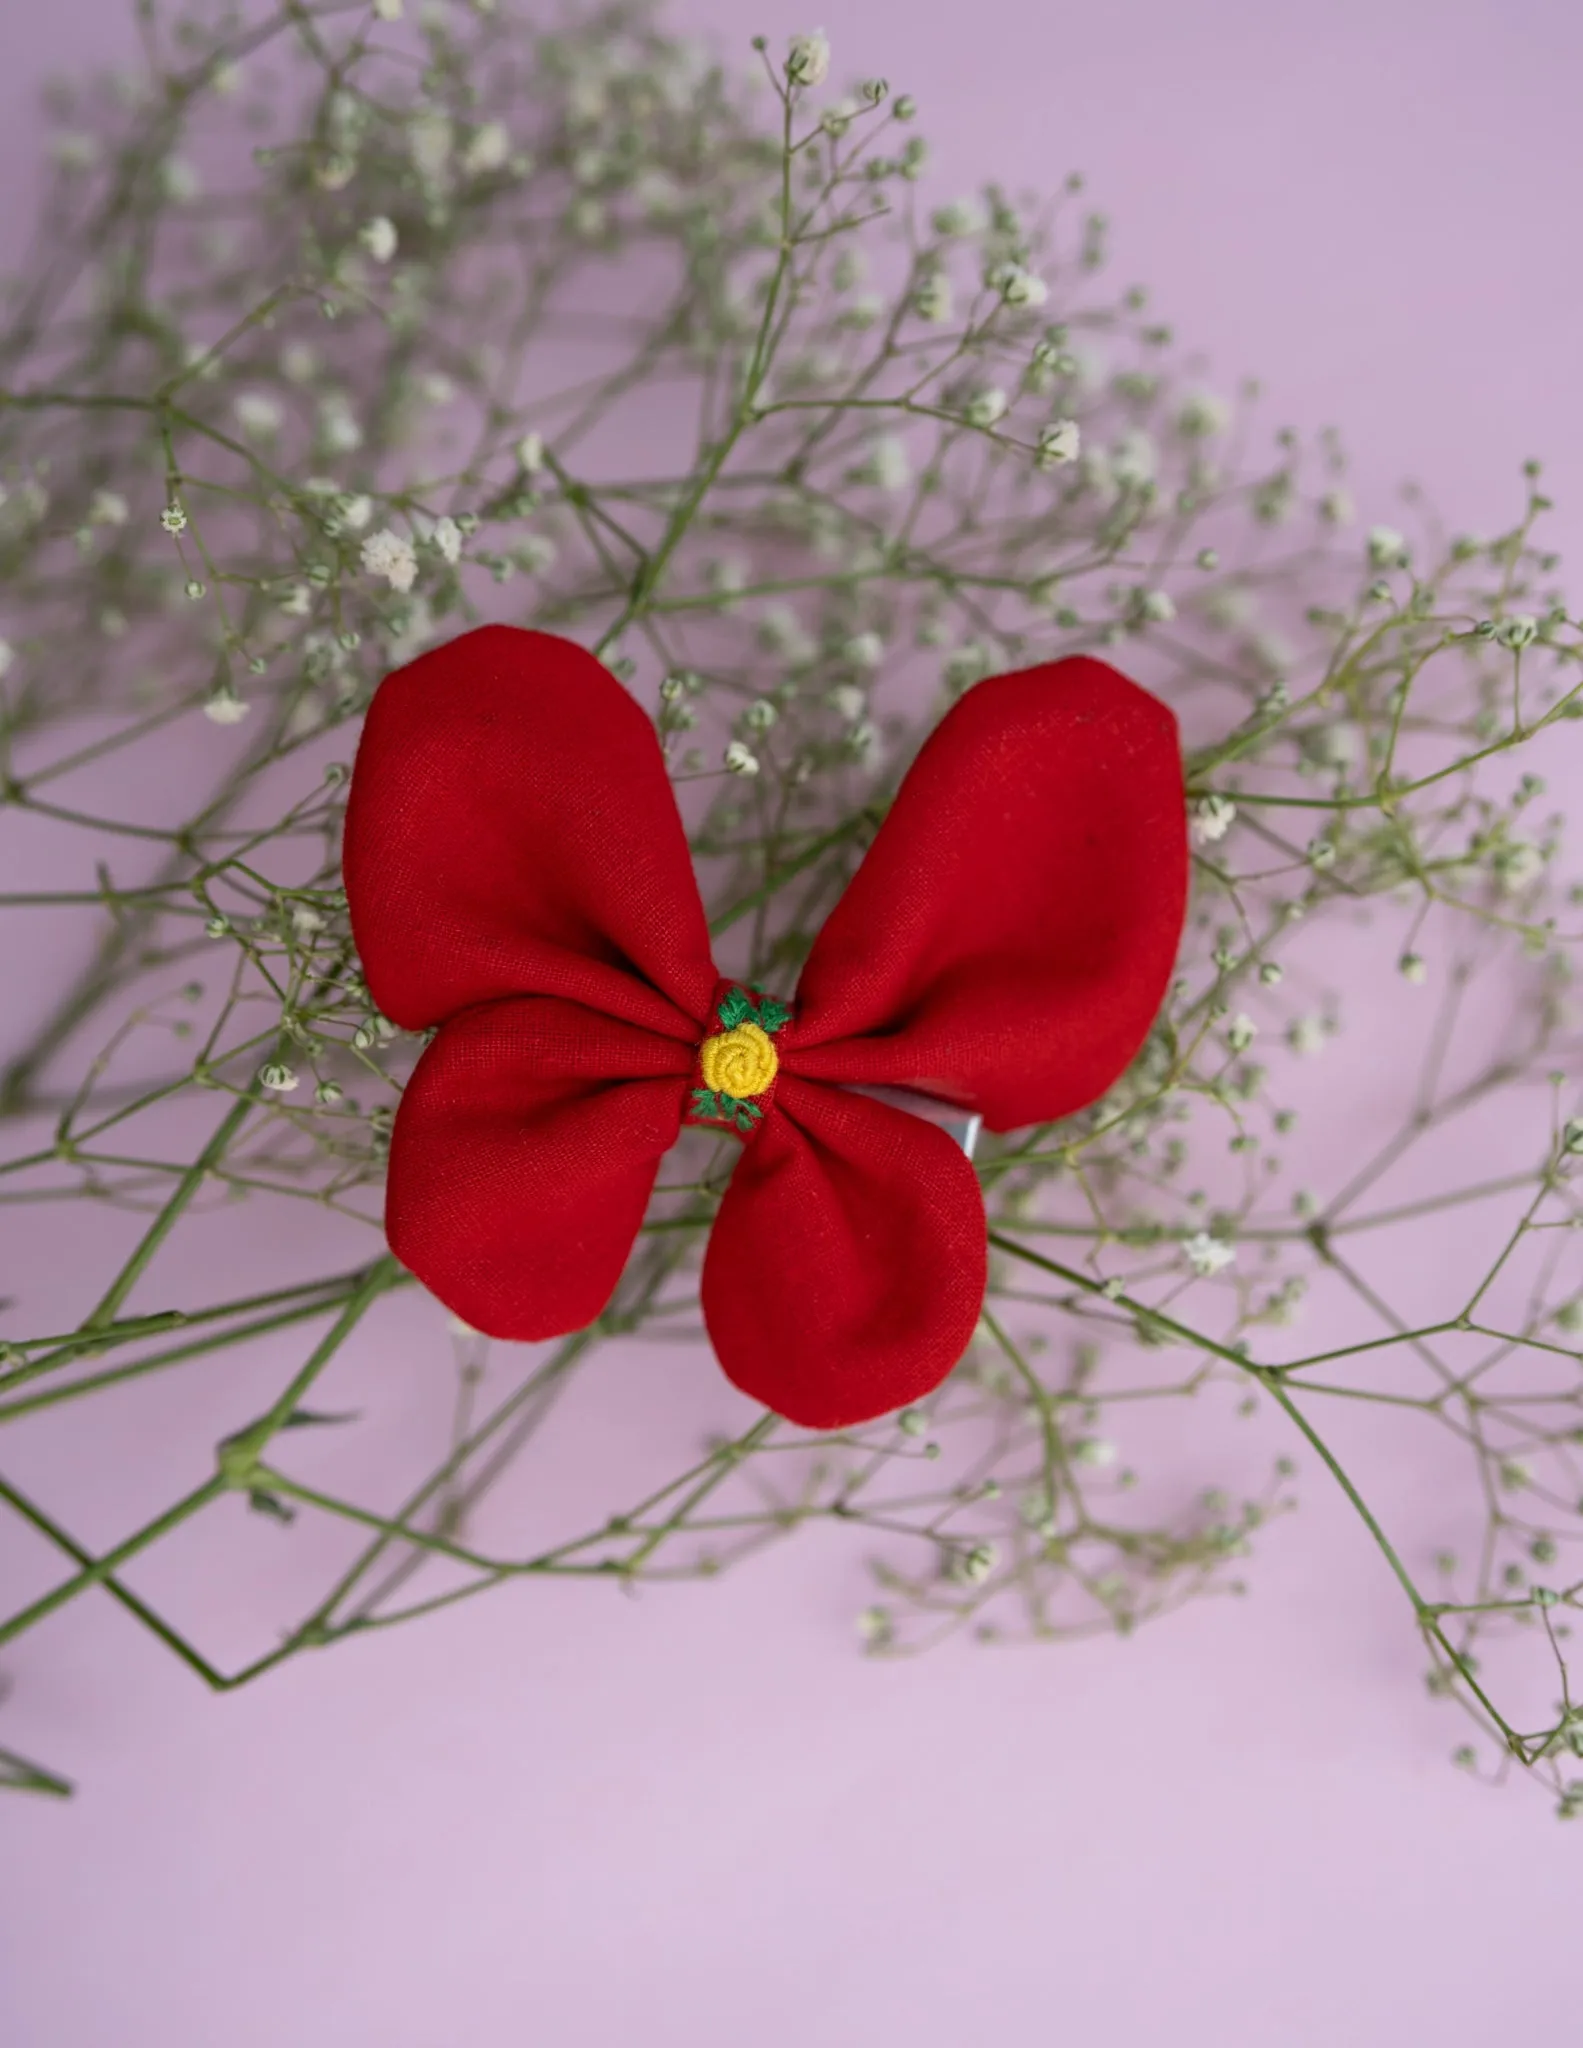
(739, 1062)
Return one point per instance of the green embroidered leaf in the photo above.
(748, 1114)
(772, 1015)
(735, 1009)
(705, 1103)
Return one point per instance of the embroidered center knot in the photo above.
(738, 1063)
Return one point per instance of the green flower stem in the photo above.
(17, 1774)
(1423, 1610)
(165, 1222)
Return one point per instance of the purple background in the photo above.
(698, 1817)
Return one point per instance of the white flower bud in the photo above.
(1017, 287)
(489, 150)
(933, 299)
(985, 407)
(1207, 1255)
(1211, 819)
(1059, 442)
(740, 759)
(808, 59)
(389, 555)
(1387, 548)
(378, 236)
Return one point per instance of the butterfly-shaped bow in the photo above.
(519, 876)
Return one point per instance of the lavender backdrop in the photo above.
(699, 1817)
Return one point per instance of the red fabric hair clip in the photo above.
(518, 875)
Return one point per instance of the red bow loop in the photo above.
(511, 831)
(1008, 938)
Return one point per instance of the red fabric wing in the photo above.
(522, 1159)
(1009, 936)
(511, 831)
(846, 1267)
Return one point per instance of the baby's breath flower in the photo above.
(985, 406)
(107, 508)
(225, 707)
(378, 236)
(530, 453)
(1156, 606)
(933, 301)
(741, 759)
(74, 152)
(389, 10)
(1517, 865)
(173, 519)
(849, 700)
(1411, 968)
(1337, 509)
(180, 180)
(1202, 416)
(7, 657)
(429, 139)
(1060, 442)
(258, 415)
(1207, 1255)
(448, 538)
(488, 150)
(886, 465)
(338, 429)
(865, 650)
(1134, 461)
(961, 217)
(808, 59)
(1017, 286)
(1307, 1035)
(1387, 548)
(278, 1079)
(969, 664)
(388, 554)
(1241, 1032)
(975, 1564)
(1211, 819)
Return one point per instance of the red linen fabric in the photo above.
(518, 875)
